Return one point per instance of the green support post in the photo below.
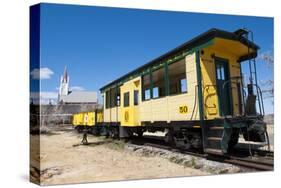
(151, 83)
(167, 81)
(200, 97)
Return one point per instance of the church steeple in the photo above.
(64, 85)
(65, 76)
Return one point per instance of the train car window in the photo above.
(118, 100)
(147, 94)
(155, 92)
(146, 87)
(126, 99)
(218, 72)
(118, 97)
(183, 84)
(136, 97)
(177, 77)
(158, 79)
(222, 73)
(107, 99)
(113, 98)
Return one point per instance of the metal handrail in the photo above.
(259, 93)
(234, 82)
(244, 93)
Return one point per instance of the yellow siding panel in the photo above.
(77, 119)
(145, 111)
(99, 117)
(80, 118)
(160, 110)
(114, 114)
(130, 114)
(107, 116)
(175, 102)
(74, 120)
(91, 119)
(209, 78)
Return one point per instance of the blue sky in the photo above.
(100, 44)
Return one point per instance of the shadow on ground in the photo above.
(93, 144)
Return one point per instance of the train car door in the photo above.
(130, 97)
(223, 86)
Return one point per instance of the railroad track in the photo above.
(242, 157)
(252, 163)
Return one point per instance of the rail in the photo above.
(264, 162)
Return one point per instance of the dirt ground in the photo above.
(64, 160)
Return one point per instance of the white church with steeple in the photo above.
(66, 96)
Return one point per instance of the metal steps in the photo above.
(214, 151)
(216, 128)
(213, 140)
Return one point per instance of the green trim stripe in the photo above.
(199, 83)
(167, 81)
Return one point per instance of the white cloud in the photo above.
(44, 97)
(48, 94)
(77, 88)
(42, 73)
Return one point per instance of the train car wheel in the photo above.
(234, 139)
(79, 129)
(95, 131)
(113, 132)
(140, 133)
(170, 138)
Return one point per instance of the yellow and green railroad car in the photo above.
(195, 93)
(87, 120)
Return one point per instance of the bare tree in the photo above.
(268, 85)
